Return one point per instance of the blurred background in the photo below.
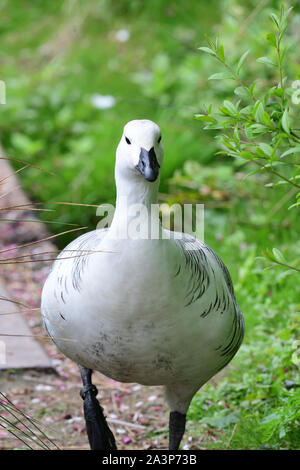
(76, 72)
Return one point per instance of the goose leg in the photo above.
(176, 429)
(99, 434)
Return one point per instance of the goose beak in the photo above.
(148, 165)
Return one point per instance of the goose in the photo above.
(150, 310)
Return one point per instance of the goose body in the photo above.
(152, 311)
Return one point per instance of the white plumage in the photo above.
(142, 310)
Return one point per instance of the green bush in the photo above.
(260, 125)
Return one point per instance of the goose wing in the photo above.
(210, 289)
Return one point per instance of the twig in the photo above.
(39, 336)
(37, 221)
(124, 423)
(43, 239)
(14, 173)
(11, 191)
(55, 252)
(232, 434)
(271, 170)
(16, 208)
(28, 164)
(14, 302)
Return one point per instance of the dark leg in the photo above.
(99, 434)
(176, 429)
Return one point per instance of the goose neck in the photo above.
(136, 212)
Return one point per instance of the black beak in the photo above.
(148, 165)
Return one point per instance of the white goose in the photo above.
(151, 311)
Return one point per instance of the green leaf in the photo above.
(266, 119)
(236, 135)
(292, 150)
(247, 110)
(220, 76)
(258, 112)
(254, 172)
(260, 152)
(229, 145)
(205, 118)
(278, 256)
(241, 61)
(275, 19)
(251, 88)
(277, 92)
(221, 52)
(283, 30)
(271, 38)
(266, 148)
(247, 155)
(207, 50)
(230, 107)
(258, 129)
(284, 17)
(220, 422)
(296, 357)
(285, 122)
(267, 61)
(294, 205)
(241, 91)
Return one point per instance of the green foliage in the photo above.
(280, 422)
(260, 125)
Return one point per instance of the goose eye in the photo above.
(127, 140)
(159, 139)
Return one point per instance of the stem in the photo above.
(235, 76)
(279, 66)
(271, 170)
(295, 137)
(286, 266)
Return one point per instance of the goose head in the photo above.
(140, 152)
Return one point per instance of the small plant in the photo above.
(281, 420)
(260, 126)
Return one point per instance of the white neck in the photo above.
(134, 206)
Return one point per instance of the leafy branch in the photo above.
(259, 126)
